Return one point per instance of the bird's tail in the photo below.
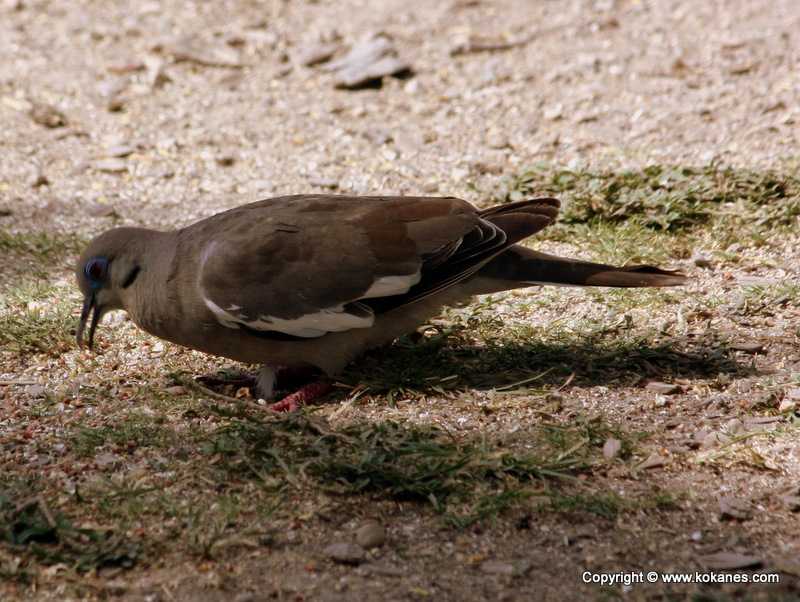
(518, 267)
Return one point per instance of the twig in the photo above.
(191, 384)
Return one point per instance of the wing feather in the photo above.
(308, 265)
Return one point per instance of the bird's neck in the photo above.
(147, 298)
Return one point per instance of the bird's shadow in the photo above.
(437, 362)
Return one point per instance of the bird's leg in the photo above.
(263, 386)
(303, 396)
(286, 376)
(271, 378)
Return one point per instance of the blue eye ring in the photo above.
(96, 270)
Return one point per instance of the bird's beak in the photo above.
(89, 304)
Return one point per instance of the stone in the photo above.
(371, 535)
(344, 552)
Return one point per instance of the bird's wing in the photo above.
(307, 265)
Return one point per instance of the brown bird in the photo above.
(312, 281)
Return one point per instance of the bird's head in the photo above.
(105, 270)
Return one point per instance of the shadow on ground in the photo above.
(421, 363)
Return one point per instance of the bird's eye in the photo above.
(96, 270)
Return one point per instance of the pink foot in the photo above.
(303, 396)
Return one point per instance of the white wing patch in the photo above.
(333, 319)
(391, 285)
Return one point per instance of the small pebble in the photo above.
(107, 462)
(702, 260)
(371, 535)
(122, 150)
(612, 448)
(654, 461)
(791, 502)
(498, 568)
(377, 135)
(382, 569)
(128, 66)
(344, 552)
(506, 568)
(663, 388)
(459, 174)
(726, 561)
(368, 62)
(309, 55)
(80, 167)
(47, 115)
(323, 182)
(111, 165)
(790, 566)
(732, 508)
(751, 348)
(498, 142)
(157, 74)
(115, 104)
(716, 439)
(101, 210)
(38, 180)
(734, 426)
(35, 390)
(203, 50)
(408, 142)
(554, 112)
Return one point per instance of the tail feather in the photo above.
(524, 218)
(518, 267)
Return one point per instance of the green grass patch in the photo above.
(464, 481)
(39, 535)
(763, 300)
(251, 465)
(36, 317)
(660, 212)
(606, 505)
(39, 246)
(663, 197)
(138, 429)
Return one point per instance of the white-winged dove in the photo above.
(314, 280)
